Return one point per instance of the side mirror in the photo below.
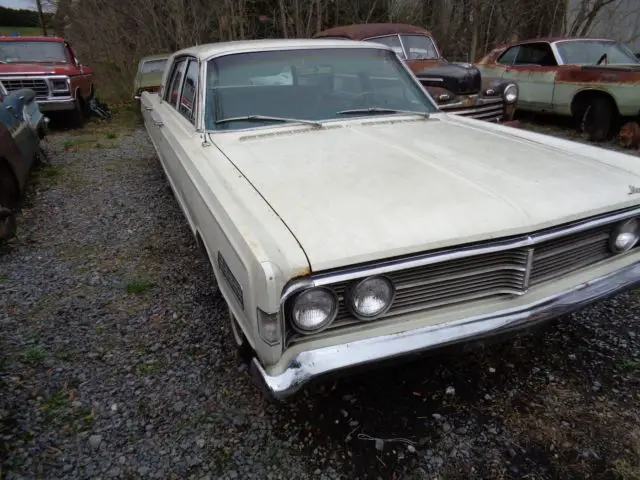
(136, 97)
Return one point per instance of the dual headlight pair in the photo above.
(366, 299)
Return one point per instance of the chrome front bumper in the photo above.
(311, 364)
(53, 104)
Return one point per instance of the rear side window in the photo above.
(175, 82)
(187, 98)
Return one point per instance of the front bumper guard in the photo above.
(311, 364)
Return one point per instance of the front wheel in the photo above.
(8, 226)
(79, 115)
(597, 119)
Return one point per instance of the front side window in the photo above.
(33, 52)
(175, 82)
(508, 57)
(535, 54)
(588, 52)
(307, 84)
(153, 66)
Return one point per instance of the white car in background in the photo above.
(349, 221)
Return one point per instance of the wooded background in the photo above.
(113, 35)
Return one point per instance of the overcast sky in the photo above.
(28, 4)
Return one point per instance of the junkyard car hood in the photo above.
(360, 192)
(37, 69)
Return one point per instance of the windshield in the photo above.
(307, 84)
(32, 52)
(154, 66)
(588, 52)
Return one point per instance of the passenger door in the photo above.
(534, 69)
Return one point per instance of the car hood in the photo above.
(36, 69)
(361, 191)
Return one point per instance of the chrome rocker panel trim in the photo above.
(315, 363)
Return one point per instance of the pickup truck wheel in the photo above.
(79, 113)
(8, 225)
(244, 350)
(597, 119)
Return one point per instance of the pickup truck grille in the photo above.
(38, 85)
(492, 112)
(485, 275)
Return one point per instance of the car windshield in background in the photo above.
(32, 52)
(307, 84)
(419, 47)
(153, 66)
(588, 52)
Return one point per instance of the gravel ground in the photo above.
(115, 361)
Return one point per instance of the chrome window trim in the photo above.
(452, 253)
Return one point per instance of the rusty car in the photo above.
(457, 88)
(149, 74)
(49, 66)
(22, 126)
(349, 221)
(595, 81)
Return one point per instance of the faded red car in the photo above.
(594, 80)
(48, 66)
(457, 88)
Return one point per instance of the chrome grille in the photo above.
(557, 257)
(38, 85)
(485, 275)
(491, 112)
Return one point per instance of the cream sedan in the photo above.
(349, 221)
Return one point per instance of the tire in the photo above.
(79, 115)
(9, 187)
(8, 227)
(598, 118)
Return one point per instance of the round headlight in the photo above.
(625, 236)
(511, 93)
(313, 310)
(371, 297)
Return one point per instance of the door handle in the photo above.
(158, 123)
(148, 109)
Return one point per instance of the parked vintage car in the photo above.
(596, 81)
(149, 74)
(48, 66)
(456, 87)
(347, 223)
(22, 126)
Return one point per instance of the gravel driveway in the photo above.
(115, 361)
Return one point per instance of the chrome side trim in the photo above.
(307, 365)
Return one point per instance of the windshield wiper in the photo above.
(257, 118)
(378, 110)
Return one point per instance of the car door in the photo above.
(534, 69)
(179, 132)
(495, 70)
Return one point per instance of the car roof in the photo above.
(30, 38)
(155, 56)
(359, 31)
(210, 50)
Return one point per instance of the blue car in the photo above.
(22, 126)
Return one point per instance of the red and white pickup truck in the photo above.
(48, 66)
